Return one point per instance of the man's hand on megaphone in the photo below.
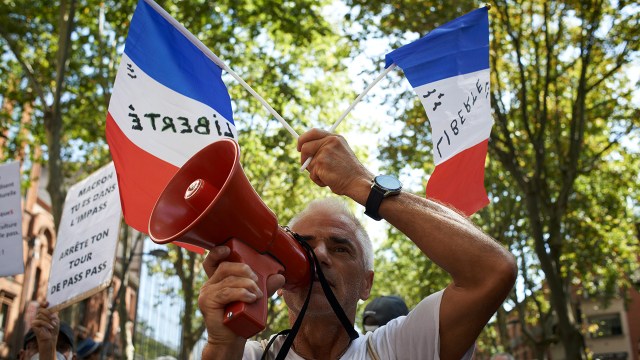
(228, 282)
(334, 164)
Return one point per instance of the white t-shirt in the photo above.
(415, 336)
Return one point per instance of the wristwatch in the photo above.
(382, 186)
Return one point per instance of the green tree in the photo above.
(571, 110)
(51, 54)
(563, 111)
(47, 80)
(40, 84)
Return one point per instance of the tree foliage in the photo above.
(563, 167)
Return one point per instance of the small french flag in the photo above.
(449, 70)
(168, 102)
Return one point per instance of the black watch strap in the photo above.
(376, 195)
(381, 187)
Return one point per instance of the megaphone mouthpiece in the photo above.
(200, 194)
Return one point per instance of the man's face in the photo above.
(333, 238)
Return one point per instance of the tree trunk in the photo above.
(53, 117)
(7, 108)
(189, 338)
(550, 265)
(55, 187)
(503, 331)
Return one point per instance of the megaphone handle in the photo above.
(244, 319)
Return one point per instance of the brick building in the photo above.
(612, 331)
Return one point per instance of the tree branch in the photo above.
(620, 61)
(25, 66)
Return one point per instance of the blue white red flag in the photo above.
(168, 102)
(449, 70)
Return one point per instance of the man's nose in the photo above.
(322, 253)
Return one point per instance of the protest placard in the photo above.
(84, 255)
(11, 256)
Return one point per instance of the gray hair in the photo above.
(336, 206)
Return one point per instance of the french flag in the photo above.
(449, 70)
(168, 102)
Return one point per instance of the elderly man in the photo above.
(444, 325)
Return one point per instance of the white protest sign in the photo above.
(83, 259)
(10, 220)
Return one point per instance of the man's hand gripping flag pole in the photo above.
(353, 104)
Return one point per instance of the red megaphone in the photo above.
(210, 202)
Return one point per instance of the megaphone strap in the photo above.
(335, 305)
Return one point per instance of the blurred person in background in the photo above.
(88, 349)
(48, 338)
(381, 310)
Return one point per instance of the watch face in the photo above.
(388, 182)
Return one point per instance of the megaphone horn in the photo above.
(210, 202)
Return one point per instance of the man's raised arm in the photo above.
(483, 271)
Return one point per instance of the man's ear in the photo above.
(367, 285)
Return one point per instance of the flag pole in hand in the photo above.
(353, 104)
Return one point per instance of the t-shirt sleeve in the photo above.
(415, 336)
(252, 350)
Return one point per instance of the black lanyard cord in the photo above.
(266, 348)
(314, 266)
(335, 305)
